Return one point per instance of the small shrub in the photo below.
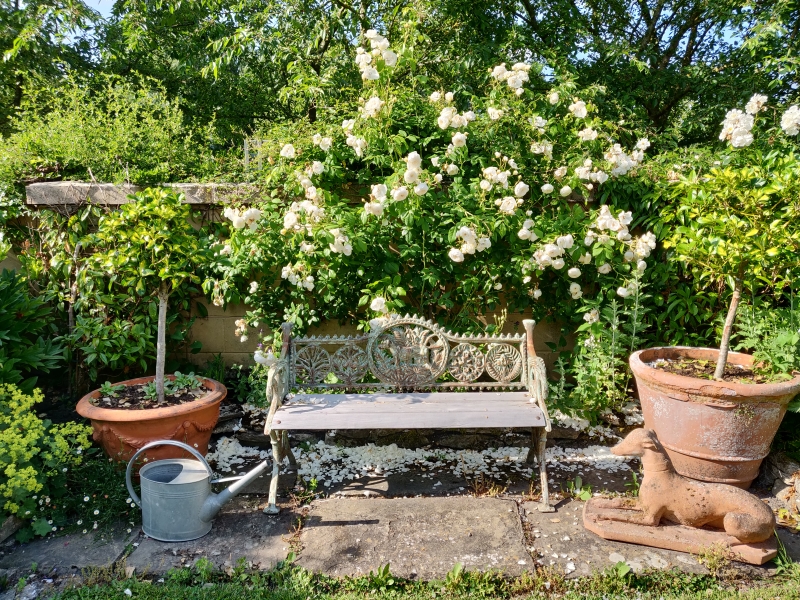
(35, 459)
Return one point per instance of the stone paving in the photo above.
(422, 530)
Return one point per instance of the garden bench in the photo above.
(407, 373)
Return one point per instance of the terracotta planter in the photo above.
(123, 432)
(712, 430)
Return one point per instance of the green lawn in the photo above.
(292, 583)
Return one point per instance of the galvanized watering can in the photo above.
(177, 502)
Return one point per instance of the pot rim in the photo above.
(642, 369)
(216, 392)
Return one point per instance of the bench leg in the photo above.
(287, 451)
(533, 448)
(541, 447)
(272, 507)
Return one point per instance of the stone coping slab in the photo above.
(419, 537)
(72, 551)
(78, 193)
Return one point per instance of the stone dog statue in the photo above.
(664, 494)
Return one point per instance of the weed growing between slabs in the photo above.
(288, 581)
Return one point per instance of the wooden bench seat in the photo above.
(435, 410)
(407, 373)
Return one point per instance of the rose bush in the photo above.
(439, 203)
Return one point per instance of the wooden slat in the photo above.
(409, 411)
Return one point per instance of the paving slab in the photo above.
(242, 530)
(420, 537)
(560, 540)
(73, 551)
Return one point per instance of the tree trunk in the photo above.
(161, 344)
(724, 346)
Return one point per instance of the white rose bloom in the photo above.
(587, 135)
(547, 188)
(521, 189)
(740, 138)
(456, 255)
(524, 234)
(583, 172)
(574, 272)
(378, 304)
(400, 193)
(585, 259)
(326, 144)
(348, 124)
(553, 98)
(435, 161)
(565, 241)
(451, 170)
(500, 73)
(575, 290)
(565, 191)
(448, 97)
(592, 316)
(790, 121)
(537, 293)
(486, 185)
(469, 247)
(287, 151)
(253, 287)
(389, 58)
(316, 139)
(756, 104)
(578, 108)
(604, 269)
(459, 139)
(435, 97)
(623, 292)
(438, 178)
(411, 176)
(421, 188)
(308, 283)
(628, 256)
(373, 107)
(494, 113)
(600, 177)
(558, 263)
(560, 172)
(370, 74)
(641, 266)
(414, 161)
(443, 122)
(484, 243)
(379, 191)
(508, 205)
(374, 208)
(469, 116)
(643, 144)
(317, 167)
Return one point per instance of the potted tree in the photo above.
(716, 411)
(149, 246)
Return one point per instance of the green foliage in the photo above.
(35, 457)
(381, 579)
(578, 490)
(772, 336)
(104, 128)
(109, 390)
(26, 345)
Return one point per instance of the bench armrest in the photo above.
(278, 377)
(538, 387)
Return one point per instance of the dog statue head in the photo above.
(636, 442)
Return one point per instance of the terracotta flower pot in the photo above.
(712, 430)
(123, 432)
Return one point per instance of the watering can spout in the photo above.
(215, 502)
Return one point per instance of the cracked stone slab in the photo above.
(559, 539)
(73, 551)
(242, 530)
(420, 537)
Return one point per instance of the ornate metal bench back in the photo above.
(410, 353)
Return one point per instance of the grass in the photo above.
(289, 582)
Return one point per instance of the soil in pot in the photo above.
(704, 369)
(136, 397)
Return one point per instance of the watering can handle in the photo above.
(189, 449)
